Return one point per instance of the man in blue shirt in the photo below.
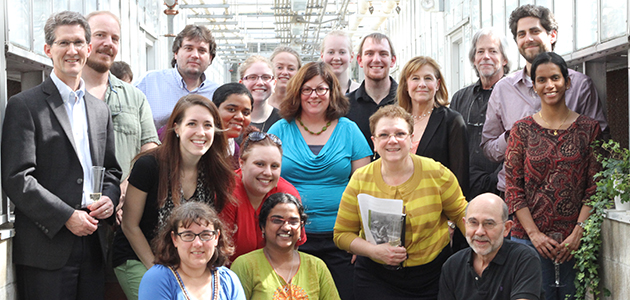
(194, 49)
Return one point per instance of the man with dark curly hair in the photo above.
(535, 31)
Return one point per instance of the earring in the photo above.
(176, 134)
(299, 238)
(263, 235)
(374, 156)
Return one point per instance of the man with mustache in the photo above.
(493, 267)
(488, 57)
(535, 30)
(133, 122)
(376, 57)
(194, 49)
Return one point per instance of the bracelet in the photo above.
(581, 224)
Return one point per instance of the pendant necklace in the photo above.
(555, 131)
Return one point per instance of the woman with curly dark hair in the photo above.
(190, 251)
(192, 164)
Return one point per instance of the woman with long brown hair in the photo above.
(192, 164)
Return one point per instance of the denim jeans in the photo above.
(567, 275)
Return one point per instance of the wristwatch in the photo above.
(581, 224)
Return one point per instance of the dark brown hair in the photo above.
(546, 17)
(412, 66)
(194, 32)
(184, 215)
(218, 168)
(291, 106)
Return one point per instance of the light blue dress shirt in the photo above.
(75, 107)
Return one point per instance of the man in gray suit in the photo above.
(52, 135)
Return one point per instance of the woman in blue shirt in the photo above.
(322, 149)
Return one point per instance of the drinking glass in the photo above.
(556, 236)
(98, 174)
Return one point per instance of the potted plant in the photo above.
(613, 181)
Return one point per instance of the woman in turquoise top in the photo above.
(322, 149)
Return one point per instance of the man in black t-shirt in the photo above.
(376, 57)
(492, 268)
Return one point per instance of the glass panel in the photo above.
(90, 6)
(41, 12)
(486, 13)
(614, 18)
(586, 25)
(474, 16)
(76, 5)
(545, 3)
(510, 6)
(498, 15)
(104, 5)
(19, 16)
(564, 43)
(523, 2)
(60, 5)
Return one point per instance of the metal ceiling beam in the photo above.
(184, 6)
(217, 23)
(211, 16)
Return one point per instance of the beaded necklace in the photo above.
(313, 133)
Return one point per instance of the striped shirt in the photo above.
(431, 197)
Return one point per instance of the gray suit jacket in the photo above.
(42, 175)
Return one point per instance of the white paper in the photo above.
(381, 213)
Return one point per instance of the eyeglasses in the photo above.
(294, 223)
(487, 225)
(204, 236)
(258, 136)
(78, 44)
(254, 77)
(320, 91)
(401, 136)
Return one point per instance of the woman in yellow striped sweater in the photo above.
(431, 196)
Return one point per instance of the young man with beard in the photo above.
(194, 49)
(376, 57)
(488, 57)
(493, 267)
(133, 122)
(535, 30)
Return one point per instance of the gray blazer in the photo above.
(42, 175)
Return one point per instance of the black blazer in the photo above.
(42, 175)
(446, 140)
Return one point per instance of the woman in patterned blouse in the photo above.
(550, 166)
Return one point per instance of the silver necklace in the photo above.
(422, 116)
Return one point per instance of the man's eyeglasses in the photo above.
(487, 225)
(258, 136)
(78, 44)
(320, 91)
(294, 223)
(204, 236)
(254, 77)
(401, 136)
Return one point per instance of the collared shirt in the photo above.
(514, 273)
(514, 98)
(472, 102)
(75, 107)
(164, 88)
(362, 106)
(132, 119)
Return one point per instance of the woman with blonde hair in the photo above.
(257, 75)
(286, 63)
(337, 52)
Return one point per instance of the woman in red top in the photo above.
(257, 179)
(549, 168)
